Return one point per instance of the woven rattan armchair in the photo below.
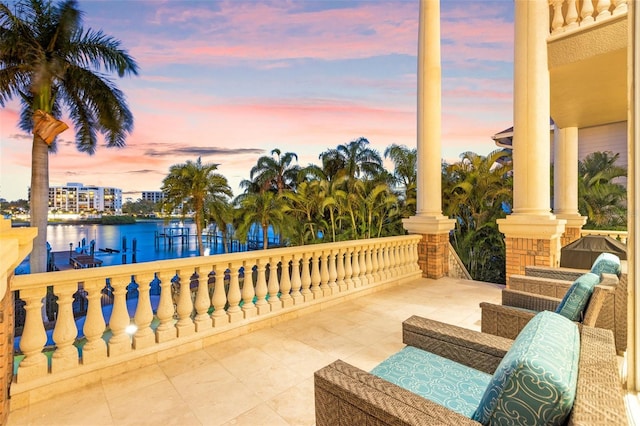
(346, 395)
(519, 307)
(559, 275)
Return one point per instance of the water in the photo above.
(61, 236)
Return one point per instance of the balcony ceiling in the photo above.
(588, 75)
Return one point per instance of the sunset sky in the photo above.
(231, 80)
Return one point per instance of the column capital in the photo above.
(428, 225)
(532, 226)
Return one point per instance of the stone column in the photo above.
(429, 221)
(532, 233)
(565, 183)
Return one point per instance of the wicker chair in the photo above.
(558, 275)
(346, 395)
(518, 307)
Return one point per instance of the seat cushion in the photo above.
(433, 377)
(576, 298)
(535, 382)
(606, 263)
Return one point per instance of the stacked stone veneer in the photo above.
(433, 256)
(6, 353)
(523, 252)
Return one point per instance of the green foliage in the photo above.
(117, 220)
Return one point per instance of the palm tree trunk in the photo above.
(39, 200)
(265, 235)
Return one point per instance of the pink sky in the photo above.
(231, 80)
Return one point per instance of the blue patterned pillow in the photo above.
(606, 263)
(575, 300)
(535, 383)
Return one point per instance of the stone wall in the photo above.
(433, 257)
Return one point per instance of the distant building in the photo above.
(153, 196)
(76, 198)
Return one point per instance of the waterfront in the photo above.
(62, 237)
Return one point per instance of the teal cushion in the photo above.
(433, 377)
(575, 300)
(535, 383)
(606, 263)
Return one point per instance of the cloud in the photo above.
(202, 151)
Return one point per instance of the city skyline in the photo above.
(231, 80)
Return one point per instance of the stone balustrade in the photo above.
(164, 308)
(616, 235)
(569, 15)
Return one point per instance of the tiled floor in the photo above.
(266, 377)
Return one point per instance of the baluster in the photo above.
(333, 272)
(165, 330)
(202, 319)
(296, 283)
(274, 285)
(285, 283)
(369, 264)
(603, 9)
(249, 308)
(261, 288)
(393, 260)
(355, 267)
(387, 260)
(233, 297)
(382, 270)
(65, 356)
(315, 276)
(306, 279)
(95, 350)
(184, 308)
(374, 263)
(362, 263)
(348, 269)
(34, 365)
(144, 337)
(572, 15)
(586, 13)
(558, 20)
(120, 341)
(342, 285)
(219, 299)
(620, 7)
(402, 250)
(324, 275)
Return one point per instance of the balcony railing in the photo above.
(569, 15)
(167, 306)
(616, 235)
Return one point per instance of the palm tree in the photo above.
(355, 160)
(49, 61)
(266, 209)
(405, 174)
(601, 198)
(305, 204)
(193, 186)
(275, 173)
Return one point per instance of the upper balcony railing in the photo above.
(160, 308)
(569, 15)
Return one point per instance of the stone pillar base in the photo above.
(531, 240)
(572, 229)
(433, 249)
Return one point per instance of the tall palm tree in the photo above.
(266, 209)
(601, 197)
(194, 186)
(355, 160)
(305, 205)
(405, 174)
(277, 173)
(49, 61)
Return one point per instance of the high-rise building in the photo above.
(75, 197)
(153, 196)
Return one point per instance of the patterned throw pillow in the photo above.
(535, 383)
(606, 263)
(575, 300)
